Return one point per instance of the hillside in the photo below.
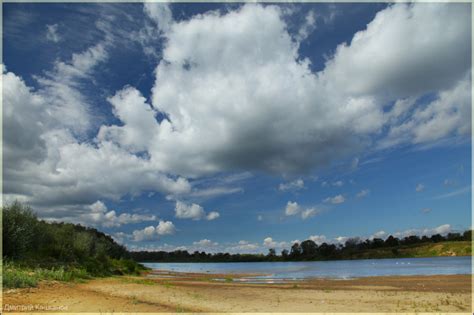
(452, 244)
(452, 248)
(35, 250)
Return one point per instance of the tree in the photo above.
(467, 236)
(271, 252)
(410, 240)
(352, 243)
(19, 230)
(454, 237)
(425, 239)
(377, 243)
(392, 241)
(326, 250)
(309, 249)
(284, 253)
(437, 238)
(295, 250)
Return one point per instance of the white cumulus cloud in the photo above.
(52, 33)
(193, 211)
(310, 212)
(292, 208)
(318, 239)
(292, 186)
(419, 187)
(270, 243)
(152, 233)
(335, 200)
(363, 193)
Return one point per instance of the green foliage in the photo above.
(14, 277)
(454, 244)
(19, 230)
(36, 250)
(18, 276)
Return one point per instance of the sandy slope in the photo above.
(200, 294)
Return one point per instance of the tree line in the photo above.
(353, 248)
(30, 242)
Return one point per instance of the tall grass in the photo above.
(15, 276)
(18, 276)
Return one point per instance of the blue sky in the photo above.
(230, 127)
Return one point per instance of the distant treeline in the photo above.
(353, 248)
(32, 243)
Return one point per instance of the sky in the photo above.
(239, 127)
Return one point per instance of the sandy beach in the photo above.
(203, 293)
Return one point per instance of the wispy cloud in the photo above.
(454, 193)
(292, 186)
(426, 210)
(420, 188)
(336, 199)
(52, 33)
(363, 193)
(215, 191)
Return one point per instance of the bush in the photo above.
(61, 274)
(19, 230)
(14, 277)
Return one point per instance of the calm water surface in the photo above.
(341, 269)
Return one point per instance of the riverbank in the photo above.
(202, 293)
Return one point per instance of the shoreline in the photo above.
(296, 261)
(197, 292)
(262, 278)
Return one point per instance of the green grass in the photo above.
(167, 285)
(138, 281)
(17, 278)
(16, 275)
(459, 248)
(452, 248)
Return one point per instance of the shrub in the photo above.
(14, 277)
(19, 230)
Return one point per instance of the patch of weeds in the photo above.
(16, 278)
(196, 296)
(138, 281)
(167, 285)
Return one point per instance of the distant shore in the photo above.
(202, 293)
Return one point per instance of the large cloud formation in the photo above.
(47, 160)
(235, 95)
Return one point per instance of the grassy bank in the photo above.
(442, 249)
(35, 250)
(17, 275)
(436, 246)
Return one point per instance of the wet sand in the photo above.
(203, 293)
